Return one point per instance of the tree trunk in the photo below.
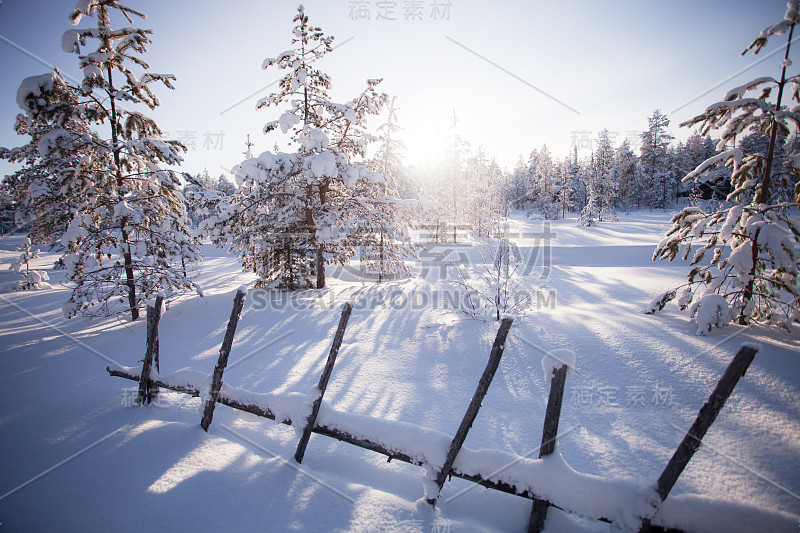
(320, 266)
(747, 295)
(126, 244)
(763, 194)
(380, 261)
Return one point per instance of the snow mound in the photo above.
(555, 359)
(711, 311)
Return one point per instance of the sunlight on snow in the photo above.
(213, 456)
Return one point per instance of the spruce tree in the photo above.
(93, 174)
(385, 259)
(606, 177)
(626, 164)
(655, 163)
(754, 242)
(295, 212)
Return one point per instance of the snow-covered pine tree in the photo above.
(601, 183)
(517, 185)
(33, 279)
(626, 163)
(590, 211)
(8, 211)
(679, 156)
(194, 191)
(758, 142)
(119, 217)
(753, 273)
(783, 189)
(204, 194)
(563, 194)
(474, 207)
(295, 212)
(384, 260)
(577, 185)
(606, 177)
(447, 185)
(42, 188)
(688, 156)
(498, 184)
(456, 197)
(541, 188)
(655, 161)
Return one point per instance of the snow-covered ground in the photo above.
(77, 454)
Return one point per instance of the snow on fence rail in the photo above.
(548, 481)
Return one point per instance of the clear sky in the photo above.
(516, 74)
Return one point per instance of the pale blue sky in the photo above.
(612, 63)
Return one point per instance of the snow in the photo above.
(734, 153)
(35, 86)
(313, 140)
(92, 71)
(122, 209)
(350, 177)
(83, 7)
(711, 311)
(555, 359)
(738, 92)
(50, 141)
(69, 40)
(288, 120)
(323, 165)
(404, 377)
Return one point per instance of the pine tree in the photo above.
(498, 193)
(33, 279)
(119, 217)
(541, 188)
(385, 260)
(474, 196)
(606, 177)
(655, 162)
(589, 213)
(697, 149)
(518, 185)
(753, 273)
(626, 164)
(456, 199)
(591, 210)
(601, 183)
(8, 210)
(42, 188)
(577, 184)
(295, 212)
(563, 191)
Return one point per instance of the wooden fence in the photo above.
(150, 381)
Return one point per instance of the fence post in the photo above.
(222, 362)
(708, 413)
(475, 404)
(323, 383)
(549, 434)
(146, 391)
